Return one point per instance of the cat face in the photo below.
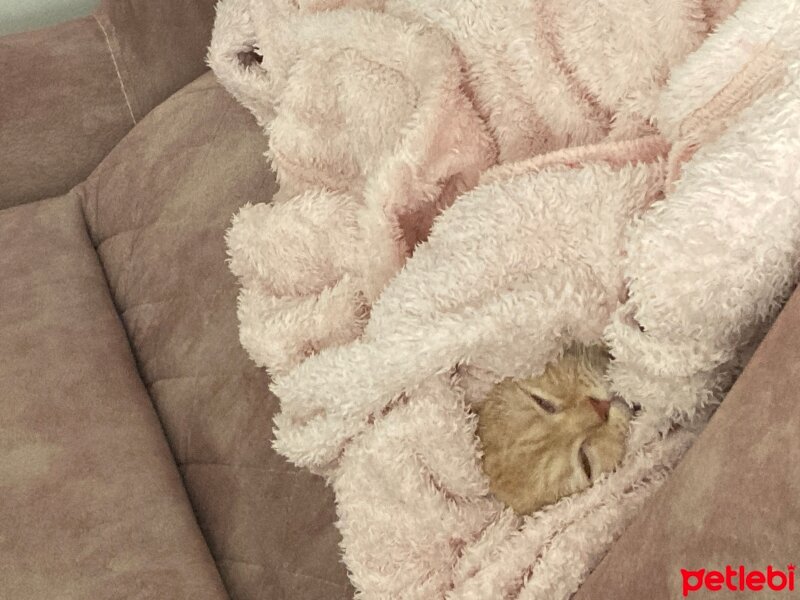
(550, 436)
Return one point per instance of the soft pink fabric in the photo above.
(581, 243)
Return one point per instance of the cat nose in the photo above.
(601, 407)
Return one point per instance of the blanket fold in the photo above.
(467, 187)
(363, 196)
(466, 297)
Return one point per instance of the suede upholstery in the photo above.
(69, 93)
(56, 145)
(115, 299)
(91, 504)
(158, 46)
(157, 208)
(735, 497)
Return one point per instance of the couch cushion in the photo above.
(158, 207)
(91, 503)
(735, 497)
(69, 93)
(158, 45)
(61, 109)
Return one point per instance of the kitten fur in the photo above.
(550, 436)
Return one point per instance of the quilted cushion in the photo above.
(91, 504)
(69, 93)
(158, 208)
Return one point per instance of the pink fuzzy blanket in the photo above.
(466, 187)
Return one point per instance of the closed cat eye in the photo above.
(544, 404)
(585, 464)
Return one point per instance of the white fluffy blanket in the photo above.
(466, 187)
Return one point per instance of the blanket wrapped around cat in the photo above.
(469, 186)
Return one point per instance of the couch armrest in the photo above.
(734, 498)
(72, 91)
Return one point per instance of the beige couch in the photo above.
(135, 457)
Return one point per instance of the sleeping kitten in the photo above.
(550, 436)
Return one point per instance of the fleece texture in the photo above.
(380, 113)
(628, 176)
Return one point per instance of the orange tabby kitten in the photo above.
(550, 436)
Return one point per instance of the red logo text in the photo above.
(738, 580)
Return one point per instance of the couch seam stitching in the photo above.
(116, 68)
